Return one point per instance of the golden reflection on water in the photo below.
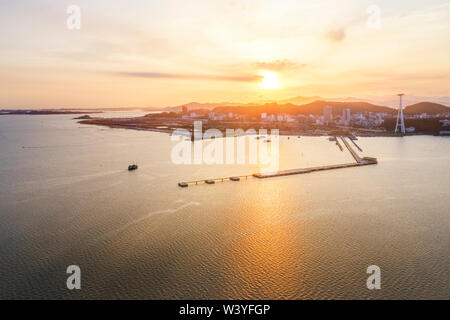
(266, 255)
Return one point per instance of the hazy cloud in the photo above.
(242, 78)
(336, 35)
(280, 65)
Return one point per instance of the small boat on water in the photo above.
(210, 182)
(183, 184)
(132, 167)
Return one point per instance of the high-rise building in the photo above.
(327, 114)
(346, 116)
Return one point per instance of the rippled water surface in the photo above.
(66, 198)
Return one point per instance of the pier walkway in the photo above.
(352, 152)
(358, 163)
(353, 141)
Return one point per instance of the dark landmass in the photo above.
(432, 126)
(428, 108)
(309, 102)
(43, 112)
(307, 107)
(85, 117)
(314, 108)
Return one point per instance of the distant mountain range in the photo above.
(208, 106)
(313, 107)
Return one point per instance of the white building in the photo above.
(346, 116)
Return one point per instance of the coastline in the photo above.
(132, 124)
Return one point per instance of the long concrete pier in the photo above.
(352, 152)
(308, 170)
(365, 161)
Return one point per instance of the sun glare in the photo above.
(270, 80)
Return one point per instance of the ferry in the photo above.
(132, 167)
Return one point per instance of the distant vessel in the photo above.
(132, 167)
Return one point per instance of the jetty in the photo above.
(338, 144)
(352, 140)
(364, 161)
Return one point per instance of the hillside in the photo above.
(427, 107)
(207, 105)
(299, 100)
(256, 110)
(315, 108)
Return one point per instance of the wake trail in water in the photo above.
(53, 147)
(148, 215)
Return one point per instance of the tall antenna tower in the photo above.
(400, 119)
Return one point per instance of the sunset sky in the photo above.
(168, 52)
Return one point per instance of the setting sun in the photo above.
(270, 80)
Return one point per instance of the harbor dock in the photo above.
(309, 170)
(352, 140)
(338, 144)
(365, 161)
